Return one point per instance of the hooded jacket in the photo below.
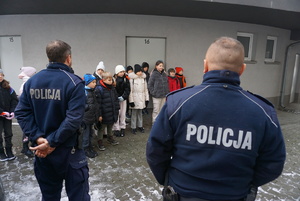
(52, 106)
(139, 91)
(8, 99)
(216, 140)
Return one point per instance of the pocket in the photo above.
(78, 159)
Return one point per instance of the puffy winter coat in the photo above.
(92, 106)
(158, 84)
(8, 99)
(109, 108)
(123, 87)
(139, 91)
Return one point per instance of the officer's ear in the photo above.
(242, 69)
(205, 64)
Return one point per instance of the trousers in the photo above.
(6, 126)
(61, 165)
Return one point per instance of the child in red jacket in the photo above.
(180, 76)
(173, 80)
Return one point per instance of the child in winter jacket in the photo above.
(91, 115)
(138, 98)
(173, 80)
(26, 73)
(8, 103)
(158, 87)
(109, 108)
(123, 90)
(180, 76)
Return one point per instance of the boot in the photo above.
(26, 150)
(93, 151)
(100, 145)
(88, 153)
(3, 156)
(122, 134)
(9, 153)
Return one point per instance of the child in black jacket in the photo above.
(109, 109)
(91, 115)
(8, 103)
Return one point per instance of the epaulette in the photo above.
(262, 98)
(178, 90)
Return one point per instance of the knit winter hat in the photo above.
(178, 69)
(119, 68)
(145, 64)
(27, 71)
(137, 68)
(100, 66)
(129, 68)
(88, 78)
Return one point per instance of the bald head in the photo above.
(225, 54)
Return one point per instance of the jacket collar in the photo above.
(56, 65)
(222, 76)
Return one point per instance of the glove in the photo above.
(147, 102)
(121, 98)
(4, 114)
(132, 104)
(11, 116)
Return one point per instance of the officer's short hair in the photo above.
(58, 51)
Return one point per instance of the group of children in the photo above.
(108, 100)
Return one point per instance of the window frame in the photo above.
(272, 59)
(250, 49)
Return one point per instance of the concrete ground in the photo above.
(121, 172)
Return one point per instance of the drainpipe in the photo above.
(284, 73)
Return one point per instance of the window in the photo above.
(271, 49)
(247, 40)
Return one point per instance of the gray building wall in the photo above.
(96, 37)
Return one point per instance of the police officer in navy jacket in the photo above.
(215, 141)
(50, 112)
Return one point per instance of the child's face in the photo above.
(180, 72)
(121, 74)
(146, 69)
(130, 71)
(1, 77)
(108, 81)
(172, 74)
(160, 67)
(100, 71)
(92, 84)
(140, 73)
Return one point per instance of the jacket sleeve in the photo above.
(272, 154)
(130, 99)
(151, 84)
(126, 90)
(159, 146)
(14, 100)
(73, 119)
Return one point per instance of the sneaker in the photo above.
(117, 133)
(29, 153)
(93, 151)
(88, 153)
(10, 155)
(3, 157)
(122, 134)
(112, 141)
(141, 129)
(133, 131)
(100, 145)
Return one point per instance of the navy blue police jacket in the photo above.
(216, 140)
(52, 106)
